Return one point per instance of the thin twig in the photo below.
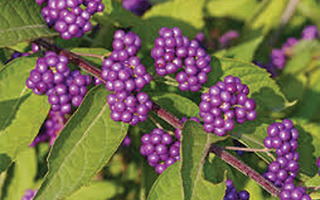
(171, 119)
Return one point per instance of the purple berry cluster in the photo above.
(68, 16)
(232, 194)
(126, 76)
(160, 149)
(137, 7)
(29, 194)
(290, 191)
(282, 137)
(69, 92)
(50, 129)
(173, 51)
(224, 102)
(52, 77)
(129, 108)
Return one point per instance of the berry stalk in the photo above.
(169, 118)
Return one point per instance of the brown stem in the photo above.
(245, 169)
(171, 119)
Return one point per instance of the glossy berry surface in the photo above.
(160, 149)
(176, 54)
(224, 104)
(71, 18)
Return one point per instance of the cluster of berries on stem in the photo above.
(173, 51)
(225, 102)
(160, 149)
(283, 138)
(124, 74)
(68, 16)
(53, 77)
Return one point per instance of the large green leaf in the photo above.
(97, 190)
(240, 9)
(310, 9)
(22, 112)
(177, 104)
(185, 11)
(20, 21)
(245, 50)
(267, 15)
(87, 142)
(194, 149)
(21, 176)
(168, 186)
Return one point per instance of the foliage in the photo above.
(89, 159)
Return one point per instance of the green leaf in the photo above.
(240, 9)
(177, 104)
(179, 11)
(310, 9)
(85, 53)
(194, 147)
(252, 134)
(86, 143)
(21, 175)
(20, 21)
(313, 182)
(245, 50)
(267, 15)
(168, 186)
(97, 191)
(22, 112)
(293, 87)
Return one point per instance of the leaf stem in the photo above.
(246, 149)
(171, 119)
(92, 55)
